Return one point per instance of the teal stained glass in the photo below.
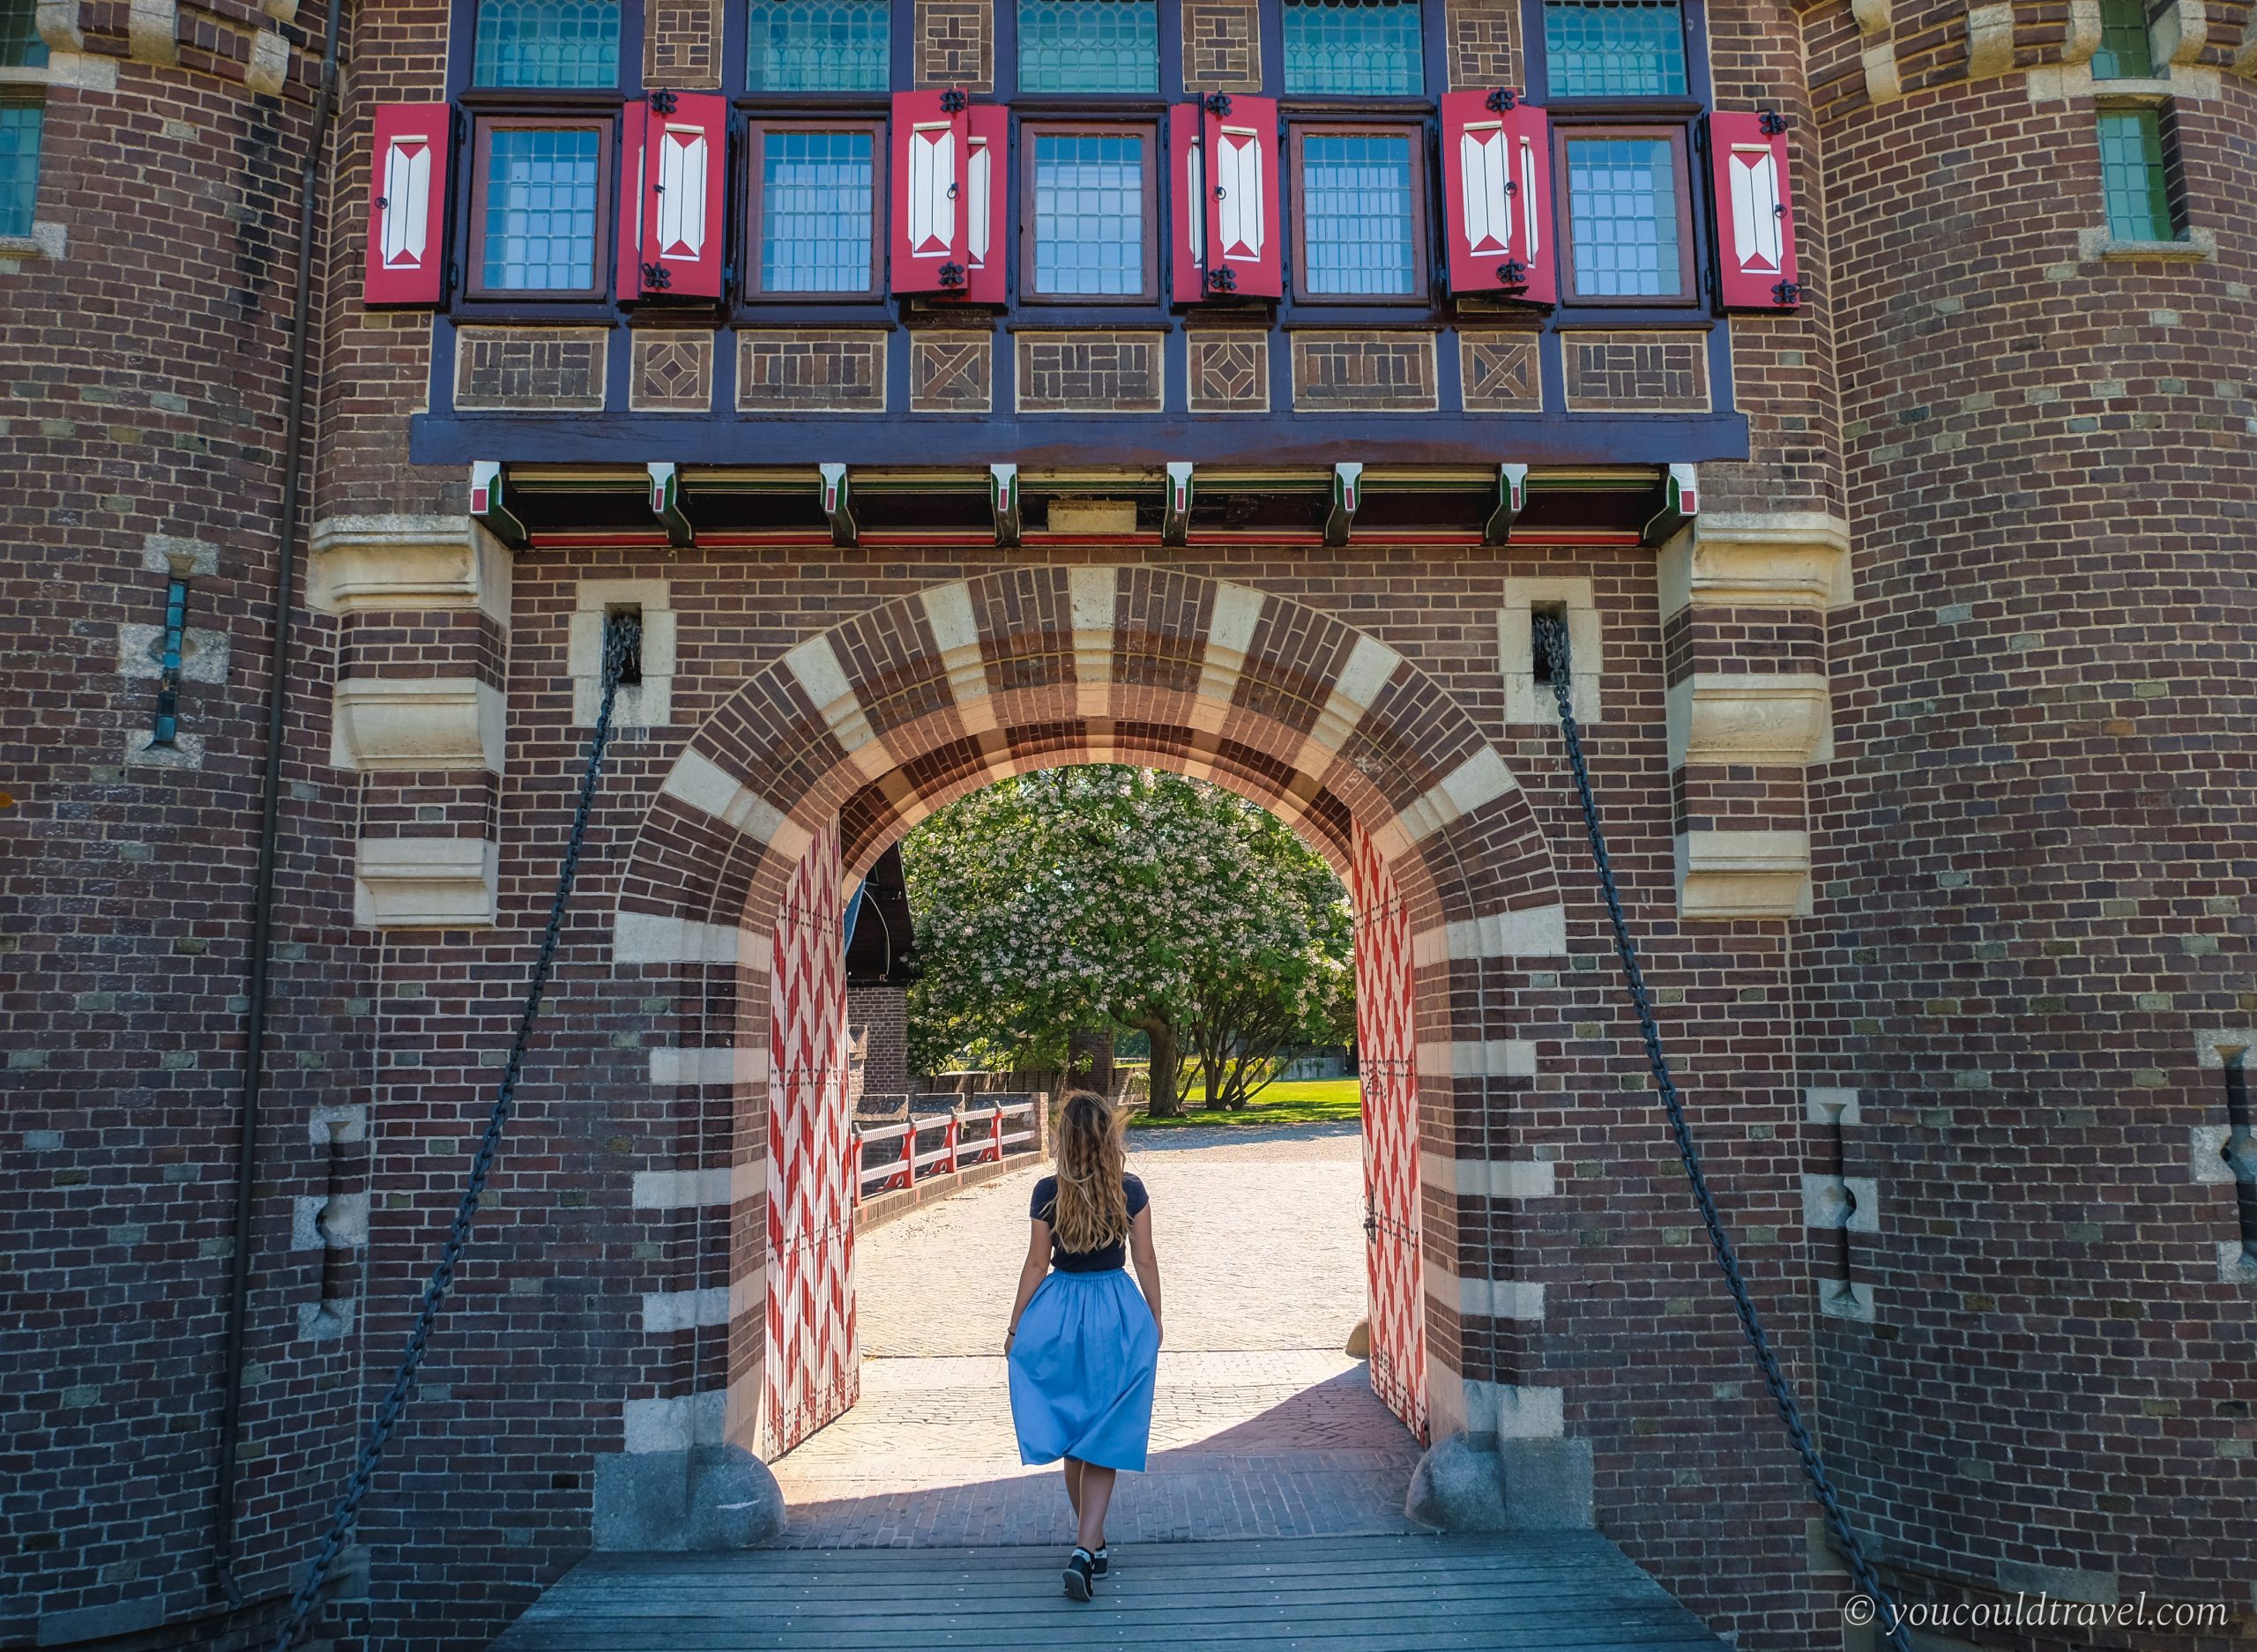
(1614, 49)
(1089, 45)
(20, 45)
(2125, 51)
(1356, 214)
(1356, 48)
(814, 212)
(540, 210)
(1622, 218)
(562, 44)
(1089, 215)
(19, 130)
(2132, 177)
(819, 46)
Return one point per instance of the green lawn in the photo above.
(1312, 1101)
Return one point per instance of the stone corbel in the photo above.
(2180, 30)
(267, 69)
(417, 724)
(153, 31)
(425, 882)
(407, 562)
(1783, 559)
(1776, 719)
(2084, 37)
(1726, 875)
(1990, 39)
(1874, 20)
(58, 25)
(2244, 55)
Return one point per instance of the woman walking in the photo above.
(1083, 1345)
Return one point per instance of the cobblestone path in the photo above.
(1263, 1426)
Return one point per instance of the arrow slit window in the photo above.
(814, 215)
(1361, 232)
(1614, 49)
(1089, 45)
(1629, 228)
(1087, 214)
(538, 208)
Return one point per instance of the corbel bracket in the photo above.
(1175, 513)
(1680, 503)
(1003, 498)
(1347, 495)
(487, 507)
(1512, 499)
(665, 502)
(839, 504)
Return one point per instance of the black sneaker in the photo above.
(1101, 1562)
(1081, 1574)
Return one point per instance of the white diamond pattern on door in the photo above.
(814, 1360)
(1387, 1057)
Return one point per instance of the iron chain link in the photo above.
(1552, 638)
(623, 641)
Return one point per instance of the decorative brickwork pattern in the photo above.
(530, 370)
(1229, 371)
(681, 45)
(1637, 372)
(1222, 46)
(673, 373)
(956, 43)
(1089, 372)
(804, 370)
(1498, 372)
(1363, 372)
(951, 372)
(1484, 43)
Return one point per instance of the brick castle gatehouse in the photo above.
(957, 388)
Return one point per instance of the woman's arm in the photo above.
(1031, 1272)
(1147, 1260)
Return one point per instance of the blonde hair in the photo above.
(1091, 1211)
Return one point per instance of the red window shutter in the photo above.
(682, 164)
(408, 206)
(1186, 173)
(634, 185)
(987, 156)
(1497, 190)
(1239, 145)
(1755, 216)
(931, 134)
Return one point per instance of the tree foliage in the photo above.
(1105, 897)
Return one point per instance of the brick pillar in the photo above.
(423, 611)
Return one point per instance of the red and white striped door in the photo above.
(1386, 1056)
(814, 1370)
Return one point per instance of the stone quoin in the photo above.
(1870, 389)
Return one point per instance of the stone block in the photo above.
(417, 723)
(396, 562)
(425, 882)
(704, 1500)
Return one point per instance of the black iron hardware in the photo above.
(952, 275)
(1222, 280)
(663, 103)
(1218, 104)
(1512, 272)
(953, 102)
(1772, 122)
(1786, 294)
(656, 277)
(1502, 98)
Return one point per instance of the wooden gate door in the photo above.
(1386, 1056)
(813, 1368)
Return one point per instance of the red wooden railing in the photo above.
(963, 1143)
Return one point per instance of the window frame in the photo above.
(1690, 253)
(626, 68)
(1424, 97)
(746, 94)
(604, 121)
(1691, 26)
(1010, 62)
(757, 129)
(1421, 296)
(1031, 131)
(2176, 215)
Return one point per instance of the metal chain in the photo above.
(1552, 638)
(622, 639)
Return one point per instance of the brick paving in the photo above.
(1263, 1426)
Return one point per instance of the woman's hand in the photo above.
(1159, 1336)
(1009, 1335)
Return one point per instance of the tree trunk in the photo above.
(1164, 1102)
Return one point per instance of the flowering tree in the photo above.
(1107, 897)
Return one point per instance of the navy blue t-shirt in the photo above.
(1045, 1208)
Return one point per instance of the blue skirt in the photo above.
(1082, 1370)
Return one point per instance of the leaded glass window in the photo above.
(19, 131)
(1625, 232)
(2125, 52)
(1614, 49)
(1356, 220)
(549, 43)
(815, 210)
(2133, 175)
(1089, 45)
(819, 46)
(543, 186)
(1090, 191)
(1359, 48)
(20, 45)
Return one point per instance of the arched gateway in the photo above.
(800, 778)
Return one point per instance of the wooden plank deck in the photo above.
(1565, 1592)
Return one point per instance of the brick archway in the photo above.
(919, 700)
